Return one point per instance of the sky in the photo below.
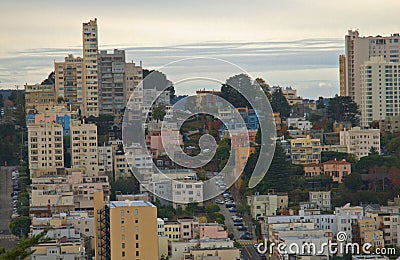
(288, 43)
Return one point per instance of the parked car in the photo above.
(238, 224)
(245, 236)
(237, 220)
(232, 209)
(242, 228)
(218, 201)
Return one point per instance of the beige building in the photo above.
(84, 147)
(125, 229)
(90, 68)
(45, 148)
(267, 205)
(133, 77)
(389, 224)
(305, 150)
(219, 253)
(322, 199)
(69, 82)
(333, 168)
(342, 74)
(54, 249)
(39, 95)
(361, 49)
(360, 141)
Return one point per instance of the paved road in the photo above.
(6, 188)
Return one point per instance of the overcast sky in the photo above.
(288, 43)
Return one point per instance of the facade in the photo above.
(379, 90)
(69, 81)
(364, 231)
(322, 199)
(111, 82)
(125, 229)
(39, 95)
(299, 123)
(267, 205)
(390, 124)
(90, 68)
(133, 77)
(212, 230)
(45, 148)
(333, 168)
(359, 142)
(389, 224)
(342, 74)
(305, 150)
(360, 49)
(84, 147)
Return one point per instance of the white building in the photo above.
(267, 205)
(380, 82)
(360, 49)
(299, 123)
(360, 141)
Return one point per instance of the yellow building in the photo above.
(172, 230)
(305, 150)
(366, 232)
(39, 95)
(45, 148)
(125, 229)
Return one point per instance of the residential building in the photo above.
(342, 75)
(45, 148)
(90, 68)
(305, 150)
(172, 230)
(299, 123)
(212, 230)
(346, 217)
(219, 253)
(379, 86)
(333, 168)
(322, 199)
(39, 95)
(52, 250)
(364, 231)
(70, 82)
(360, 49)
(133, 78)
(390, 124)
(267, 205)
(84, 147)
(359, 142)
(125, 229)
(112, 82)
(189, 228)
(389, 224)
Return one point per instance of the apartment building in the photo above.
(39, 95)
(68, 249)
(172, 230)
(45, 148)
(84, 147)
(299, 123)
(133, 78)
(337, 170)
(322, 199)
(380, 82)
(389, 224)
(342, 74)
(364, 231)
(390, 124)
(346, 217)
(305, 150)
(210, 248)
(70, 82)
(360, 49)
(359, 142)
(90, 68)
(111, 82)
(125, 229)
(267, 205)
(212, 230)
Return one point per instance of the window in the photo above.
(123, 253)
(123, 245)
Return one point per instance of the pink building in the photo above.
(212, 230)
(189, 228)
(333, 168)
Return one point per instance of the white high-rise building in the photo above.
(360, 141)
(361, 49)
(380, 93)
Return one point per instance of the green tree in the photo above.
(353, 181)
(159, 112)
(230, 93)
(265, 87)
(279, 103)
(1, 101)
(343, 109)
(20, 226)
(22, 250)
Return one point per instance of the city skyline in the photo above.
(294, 45)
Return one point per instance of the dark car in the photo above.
(245, 236)
(237, 224)
(242, 228)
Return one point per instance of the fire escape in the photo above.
(104, 233)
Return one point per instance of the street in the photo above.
(6, 188)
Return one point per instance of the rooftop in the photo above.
(130, 203)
